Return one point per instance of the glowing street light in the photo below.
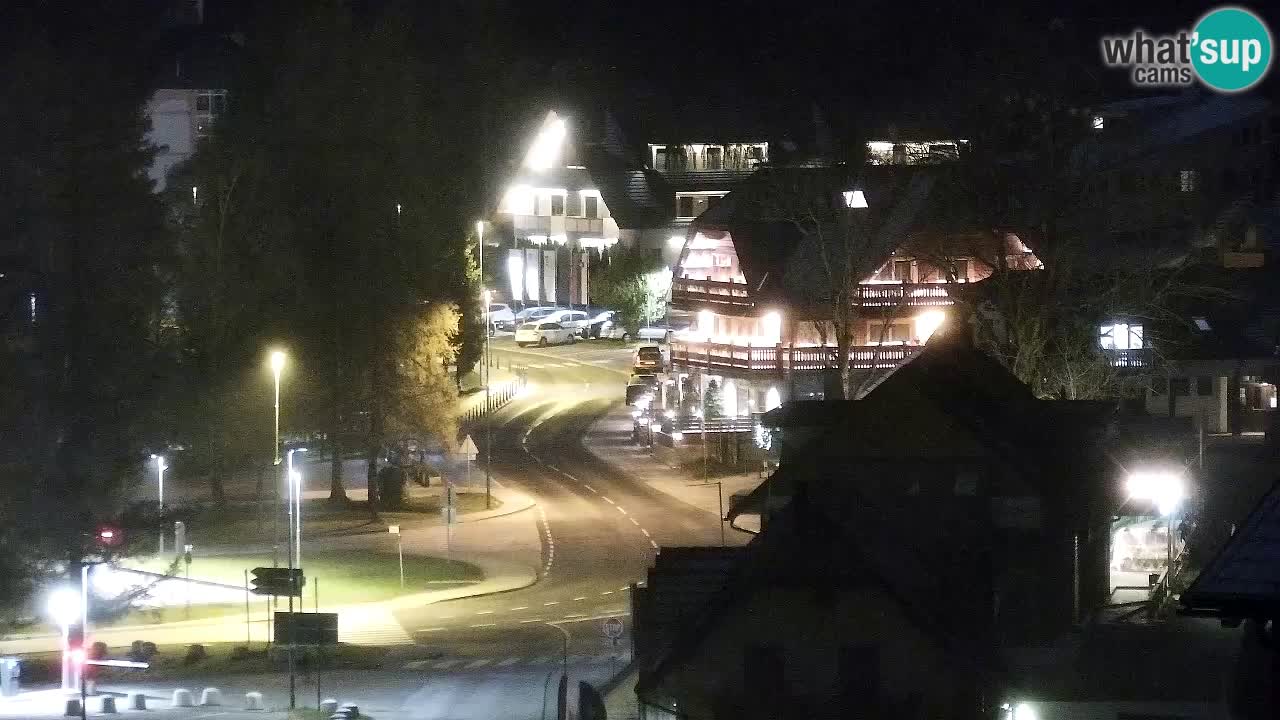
(295, 505)
(64, 607)
(1167, 489)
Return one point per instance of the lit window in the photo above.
(1188, 180)
(1202, 324)
(1120, 336)
(854, 199)
(1099, 122)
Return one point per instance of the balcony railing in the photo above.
(873, 295)
(1140, 358)
(728, 294)
(780, 358)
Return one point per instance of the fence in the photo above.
(498, 396)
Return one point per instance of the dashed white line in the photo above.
(522, 607)
(654, 544)
(485, 625)
(635, 522)
(553, 602)
(590, 488)
(575, 615)
(624, 512)
(646, 532)
(607, 592)
(434, 629)
(484, 612)
(584, 597)
(607, 500)
(531, 620)
(624, 588)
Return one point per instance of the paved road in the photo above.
(598, 532)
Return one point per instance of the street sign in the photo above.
(276, 581)
(612, 628)
(468, 448)
(311, 629)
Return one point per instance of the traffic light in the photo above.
(278, 581)
(109, 535)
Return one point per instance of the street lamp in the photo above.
(1167, 489)
(64, 607)
(295, 504)
(160, 468)
(277, 365)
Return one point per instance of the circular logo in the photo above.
(1231, 49)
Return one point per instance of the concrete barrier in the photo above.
(253, 701)
(137, 701)
(211, 696)
(73, 707)
(351, 710)
(182, 698)
(108, 704)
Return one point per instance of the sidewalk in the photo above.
(610, 441)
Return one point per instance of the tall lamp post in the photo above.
(295, 504)
(488, 423)
(64, 608)
(277, 366)
(160, 468)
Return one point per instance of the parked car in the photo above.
(528, 314)
(575, 320)
(601, 323)
(649, 357)
(662, 331)
(498, 314)
(543, 333)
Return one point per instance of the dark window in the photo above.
(685, 209)
(928, 272)
(202, 103)
(557, 205)
(960, 269)
(590, 206)
(902, 270)
(859, 670)
(1180, 386)
(762, 667)
(660, 156)
(1204, 385)
(715, 158)
(1158, 385)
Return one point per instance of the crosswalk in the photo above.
(463, 663)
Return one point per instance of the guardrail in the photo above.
(498, 397)
(780, 358)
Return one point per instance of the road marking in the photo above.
(590, 488)
(446, 664)
(446, 617)
(584, 597)
(435, 629)
(607, 592)
(485, 625)
(607, 500)
(646, 532)
(477, 664)
(635, 522)
(522, 607)
(531, 620)
(624, 512)
(484, 612)
(624, 588)
(576, 615)
(508, 662)
(654, 544)
(416, 664)
(553, 602)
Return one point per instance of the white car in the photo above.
(498, 313)
(575, 320)
(543, 333)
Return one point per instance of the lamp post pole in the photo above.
(160, 468)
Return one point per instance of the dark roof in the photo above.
(637, 199)
(706, 180)
(1243, 581)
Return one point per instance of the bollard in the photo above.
(329, 706)
(73, 707)
(108, 704)
(253, 701)
(351, 710)
(137, 701)
(211, 696)
(182, 698)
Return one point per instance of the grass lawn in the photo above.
(345, 576)
(257, 524)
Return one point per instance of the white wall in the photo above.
(1211, 410)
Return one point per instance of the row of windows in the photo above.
(590, 206)
(925, 271)
(691, 206)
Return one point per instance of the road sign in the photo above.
(468, 448)
(313, 629)
(612, 628)
(276, 581)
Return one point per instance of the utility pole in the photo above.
(488, 409)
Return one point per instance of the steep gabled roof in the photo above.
(637, 199)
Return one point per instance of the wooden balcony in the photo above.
(712, 294)
(709, 293)
(782, 359)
